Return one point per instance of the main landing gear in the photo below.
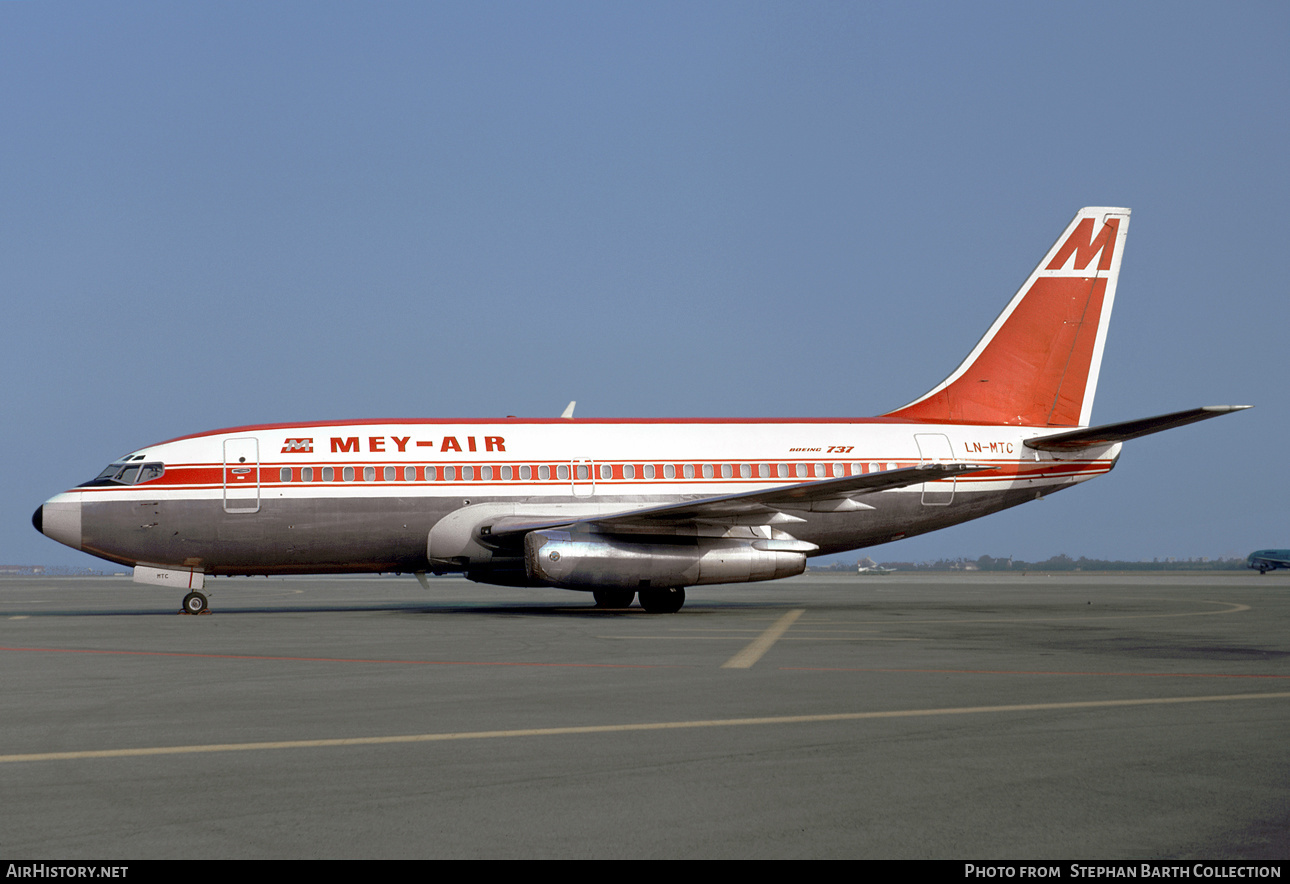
(614, 598)
(195, 603)
(662, 601)
(654, 601)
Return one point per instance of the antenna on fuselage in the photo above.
(568, 411)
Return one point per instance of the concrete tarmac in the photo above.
(968, 717)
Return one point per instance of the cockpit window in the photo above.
(128, 473)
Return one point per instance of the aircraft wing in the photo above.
(1108, 434)
(759, 507)
(801, 496)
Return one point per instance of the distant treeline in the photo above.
(1060, 562)
(48, 571)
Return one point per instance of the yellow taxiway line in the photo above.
(152, 751)
(762, 643)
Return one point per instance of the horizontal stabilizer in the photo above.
(1121, 432)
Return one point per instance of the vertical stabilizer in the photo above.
(1038, 364)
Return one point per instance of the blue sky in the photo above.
(216, 214)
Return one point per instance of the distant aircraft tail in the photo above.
(1038, 364)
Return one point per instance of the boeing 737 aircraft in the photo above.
(626, 508)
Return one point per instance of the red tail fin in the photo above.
(1038, 363)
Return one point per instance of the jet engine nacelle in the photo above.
(594, 561)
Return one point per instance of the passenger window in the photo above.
(284, 474)
(369, 474)
(707, 471)
(506, 474)
(745, 471)
(544, 472)
(391, 474)
(526, 472)
(486, 473)
(726, 471)
(328, 474)
(688, 469)
(450, 474)
(306, 474)
(650, 471)
(409, 474)
(669, 471)
(606, 471)
(783, 471)
(629, 471)
(430, 474)
(467, 474)
(347, 474)
(763, 470)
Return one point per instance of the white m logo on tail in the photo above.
(1083, 245)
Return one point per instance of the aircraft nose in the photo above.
(59, 518)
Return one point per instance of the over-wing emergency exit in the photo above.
(632, 508)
